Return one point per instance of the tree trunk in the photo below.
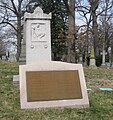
(19, 37)
(94, 5)
(71, 32)
(95, 34)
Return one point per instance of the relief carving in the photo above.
(38, 32)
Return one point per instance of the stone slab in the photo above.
(92, 62)
(52, 84)
(16, 80)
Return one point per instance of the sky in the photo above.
(78, 18)
(16, 2)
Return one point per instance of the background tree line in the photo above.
(69, 40)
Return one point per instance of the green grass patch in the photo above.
(101, 102)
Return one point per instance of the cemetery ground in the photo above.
(101, 102)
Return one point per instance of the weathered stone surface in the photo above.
(37, 36)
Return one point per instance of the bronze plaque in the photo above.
(53, 85)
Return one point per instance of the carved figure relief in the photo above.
(38, 32)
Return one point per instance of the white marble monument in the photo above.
(45, 83)
(37, 36)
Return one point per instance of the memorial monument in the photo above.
(45, 83)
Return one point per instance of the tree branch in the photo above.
(16, 12)
(6, 7)
(9, 24)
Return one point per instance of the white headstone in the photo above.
(103, 57)
(37, 36)
(12, 58)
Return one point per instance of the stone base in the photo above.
(16, 80)
(52, 84)
(103, 66)
(92, 62)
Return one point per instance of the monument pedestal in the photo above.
(103, 65)
(92, 60)
(92, 63)
(52, 84)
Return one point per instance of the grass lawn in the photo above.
(101, 102)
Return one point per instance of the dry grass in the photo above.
(100, 77)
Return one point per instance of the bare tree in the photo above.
(12, 14)
(85, 29)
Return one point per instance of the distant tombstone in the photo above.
(4, 57)
(103, 57)
(37, 36)
(80, 61)
(12, 58)
(92, 59)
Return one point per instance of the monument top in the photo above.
(38, 13)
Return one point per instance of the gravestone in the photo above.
(104, 53)
(12, 57)
(37, 35)
(4, 57)
(45, 83)
(92, 59)
(36, 45)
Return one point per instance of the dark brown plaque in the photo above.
(53, 85)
